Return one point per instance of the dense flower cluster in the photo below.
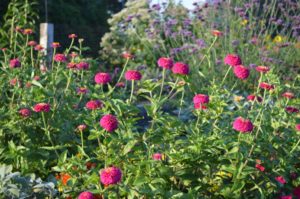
(110, 176)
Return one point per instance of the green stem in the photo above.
(132, 89)
(225, 76)
(181, 102)
(162, 83)
(48, 133)
(81, 136)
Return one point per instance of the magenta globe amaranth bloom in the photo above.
(242, 125)
(164, 62)
(93, 104)
(109, 122)
(14, 63)
(232, 60)
(41, 107)
(180, 68)
(110, 176)
(102, 78)
(86, 195)
(60, 58)
(133, 75)
(241, 72)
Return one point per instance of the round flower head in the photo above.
(296, 192)
(253, 98)
(60, 58)
(241, 72)
(127, 55)
(291, 109)
(262, 69)
(86, 195)
(82, 90)
(27, 31)
(216, 33)
(72, 36)
(81, 127)
(41, 107)
(133, 75)
(260, 167)
(38, 47)
(201, 98)
(25, 112)
(157, 156)
(286, 197)
(82, 65)
(266, 86)
(110, 176)
(232, 60)
(120, 85)
(288, 95)
(165, 62)
(93, 104)
(280, 179)
(55, 45)
(71, 65)
(242, 125)
(14, 63)
(180, 68)
(109, 122)
(15, 82)
(102, 78)
(32, 43)
(297, 127)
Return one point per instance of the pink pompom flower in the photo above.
(201, 98)
(14, 63)
(180, 68)
(102, 78)
(41, 107)
(286, 197)
(82, 91)
(157, 156)
(25, 112)
(232, 60)
(55, 45)
(82, 65)
(164, 62)
(280, 179)
(32, 43)
(133, 75)
(93, 104)
(109, 122)
(288, 95)
(60, 58)
(291, 109)
(81, 127)
(242, 125)
(110, 176)
(241, 72)
(72, 36)
(86, 195)
(253, 98)
(260, 167)
(266, 86)
(297, 127)
(262, 69)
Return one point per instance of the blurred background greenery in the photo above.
(87, 18)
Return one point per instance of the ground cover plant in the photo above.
(215, 119)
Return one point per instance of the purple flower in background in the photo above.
(201, 43)
(235, 42)
(156, 7)
(252, 66)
